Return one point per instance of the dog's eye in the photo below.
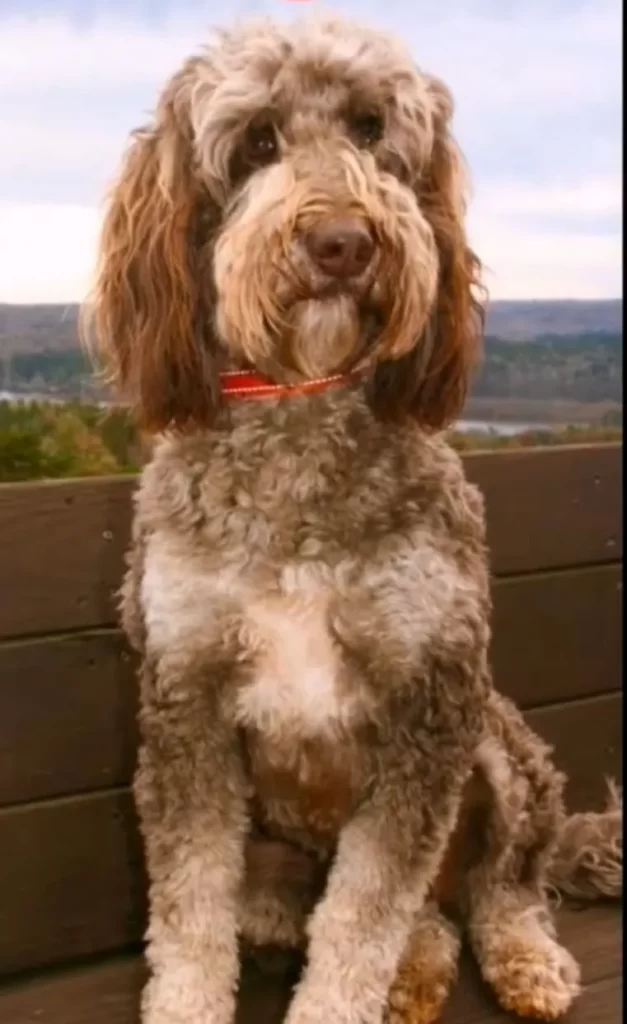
(366, 127)
(260, 143)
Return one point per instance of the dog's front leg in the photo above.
(387, 859)
(190, 791)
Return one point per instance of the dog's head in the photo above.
(298, 206)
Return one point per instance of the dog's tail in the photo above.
(587, 862)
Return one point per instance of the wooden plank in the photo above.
(108, 993)
(558, 636)
(67, 716)
(67, 704)
(551, 508)
(104, 994)
(587, 737)
(61, 551)
(71, 882)
(547, 508)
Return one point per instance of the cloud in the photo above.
(542, 264)
(51, 52)
(538, 91)
(550, 242)
(589, 198)
(46, 251)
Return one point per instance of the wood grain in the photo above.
(62, 543)
(587, 738)
(67, 716)
(108, 993)
(72, 885)
(551, 508)
(558, 635)
(61, 551)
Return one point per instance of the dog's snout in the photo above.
(341, 248)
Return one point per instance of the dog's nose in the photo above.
(341, 248)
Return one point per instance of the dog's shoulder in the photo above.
(435, 478)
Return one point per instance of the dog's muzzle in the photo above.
(341, 249)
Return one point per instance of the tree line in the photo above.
(579, 368)
(42, 440)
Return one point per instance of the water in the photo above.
(23, 399)
(494, 427)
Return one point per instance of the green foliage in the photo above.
(50, 369)
(540, 437)
(45, 441)
(576, 368)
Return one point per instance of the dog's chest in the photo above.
(307, 792)
(289, 677)
(291, 696)
(298, 710)
(296, 686)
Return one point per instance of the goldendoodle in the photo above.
(287, 296)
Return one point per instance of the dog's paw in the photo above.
(426, 975)
(187, 993)
(419, 999)
(537, 980)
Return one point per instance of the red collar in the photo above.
(250, 384)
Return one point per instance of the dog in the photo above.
(286, 295)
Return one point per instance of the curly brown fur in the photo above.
(512, 846)
(308, 585)
(587, 859)
(265, 561)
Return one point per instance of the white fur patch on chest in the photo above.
(182, 600)
(297, 686)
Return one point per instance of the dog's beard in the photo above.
(324, 335)
(319, 335)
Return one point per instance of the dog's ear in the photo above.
(148, 314)
(430, 382)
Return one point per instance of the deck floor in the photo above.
(107, 992)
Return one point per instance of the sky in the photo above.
(538, 91)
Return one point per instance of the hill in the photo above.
(33, 328)
(520, 321)
(37, 327)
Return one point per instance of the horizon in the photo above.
(538, 97)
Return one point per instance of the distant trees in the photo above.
(576, 368)
(45, 441)
(63, 372)
(582, 368)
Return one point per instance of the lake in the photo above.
(503, 429)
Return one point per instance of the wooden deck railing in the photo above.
(71, 884)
